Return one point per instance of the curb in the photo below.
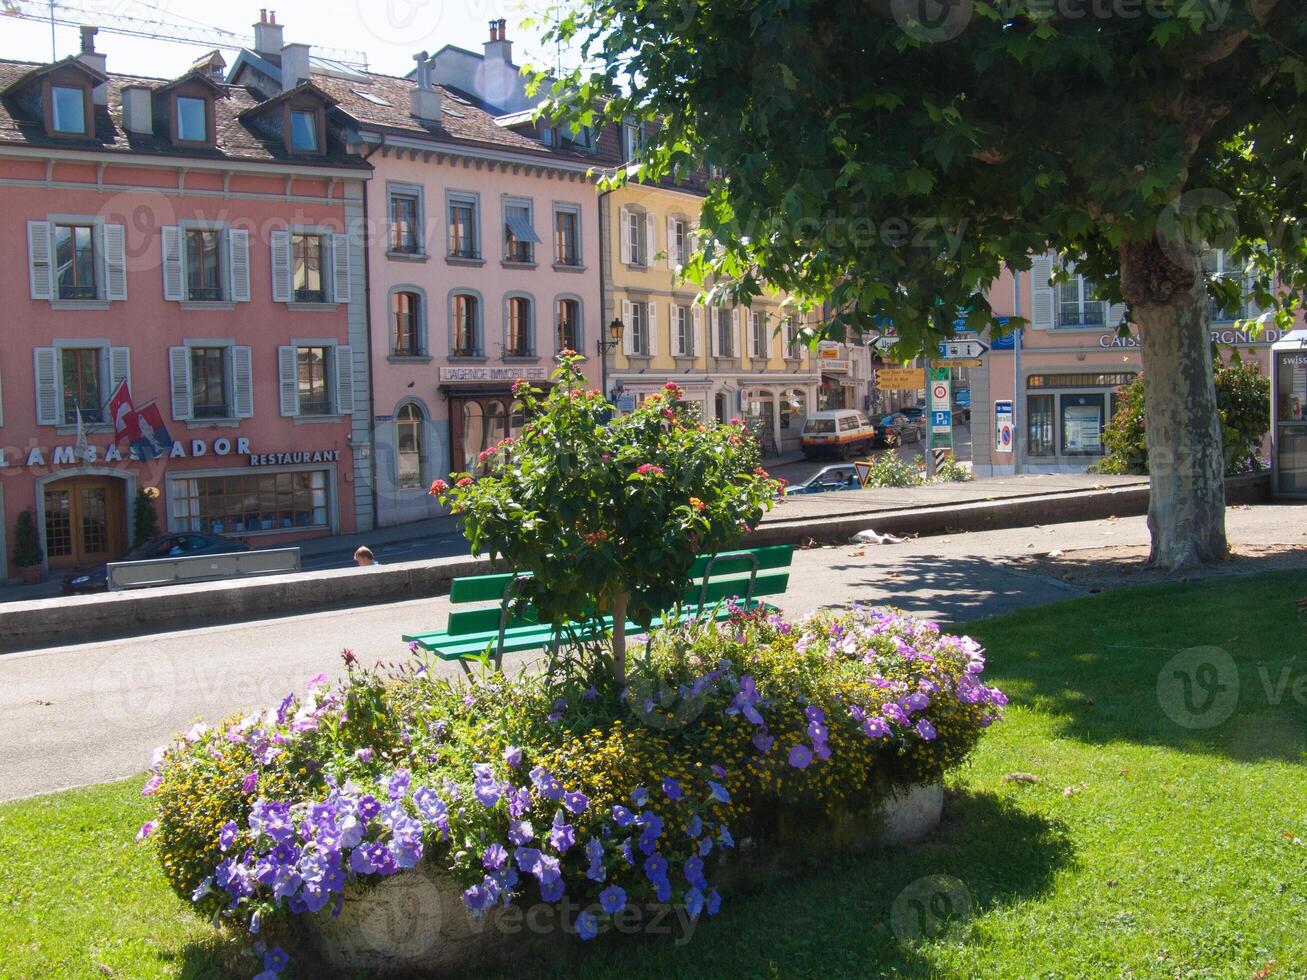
(52, 622)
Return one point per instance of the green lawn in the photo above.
(1144, 848)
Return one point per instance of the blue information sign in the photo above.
(941, 421)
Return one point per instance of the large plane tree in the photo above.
(892, 155)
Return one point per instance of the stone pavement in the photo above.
(93, 712)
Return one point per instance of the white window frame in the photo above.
(758, 335)
(182, 386)
(639, 328)
(54, 111)
(340, 383)
(683, 331)
(634, 232)
(632, 139)
(104, 370)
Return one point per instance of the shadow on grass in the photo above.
(873, 915)
(1216, 667)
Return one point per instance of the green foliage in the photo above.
(27, 543)
(888, 469)
(145, 517)
(600, 512)
(1243, 398)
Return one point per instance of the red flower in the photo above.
(437, 487)
(649, 469)
(465, 482)
(759, 471)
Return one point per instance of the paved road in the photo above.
(93, 712)
(800, 470)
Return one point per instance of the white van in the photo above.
(841, 432)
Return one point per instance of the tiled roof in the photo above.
(236, 140)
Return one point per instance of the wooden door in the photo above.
(85, 521)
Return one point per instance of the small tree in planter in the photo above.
(27, 544)
(145, 518)
(609, 518)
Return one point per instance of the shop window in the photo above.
(1082, 424)
(1041, 424)
(408, 441)
(250, 502)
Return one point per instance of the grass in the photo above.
(1141, 849)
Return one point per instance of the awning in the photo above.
(520, 228)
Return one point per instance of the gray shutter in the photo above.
(47, 385)
(179, 379)
(340, 268)
(174, 283)
(1115, 314)
(242, 382)
(238, 263)
(40, 270)
(1043, 299)
(623, 235)
(115, 262)
(344, 380)
(279, 242)
(288, 380)
(120, 367)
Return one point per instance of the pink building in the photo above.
(202, 243)
(484, 253)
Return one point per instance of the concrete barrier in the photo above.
(185, 569)
(54, 622)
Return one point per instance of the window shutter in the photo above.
(238, 262)
(715, 331)
(40, 272)
(242, 378)
(697, 314)
(287, 378)
(115, 262)
(174, 288)
(652, 313)
(1115, 314)
(650, 238)
(344, 380)
(672, 259)
(623, 235)
(179, 370)
(735, 334)
(47, 385)
(120, 367)
(280, 243)
(1043, 301)
(628, 335)
(340, 269)
(674, 322)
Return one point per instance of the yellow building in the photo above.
(737, 362)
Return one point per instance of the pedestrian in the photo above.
(364, 557)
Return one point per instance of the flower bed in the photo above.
(561, 788)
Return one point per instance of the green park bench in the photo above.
(499, 621)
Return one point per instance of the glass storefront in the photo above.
(253, 502)
(1291, 412)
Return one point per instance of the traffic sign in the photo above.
(939, 392)
(862, 467)
(1003, 432)
(969, 349)
(941, 420)
(958, 362)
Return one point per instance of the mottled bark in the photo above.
(1170, 306)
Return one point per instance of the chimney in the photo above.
(499, 47)
(267, 34)
(424, 100)
(89, 56)
(294, 65)
(138, 110)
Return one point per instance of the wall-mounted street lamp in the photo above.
(615, 331)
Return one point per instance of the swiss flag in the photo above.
(123, 414)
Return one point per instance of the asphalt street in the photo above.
(93, 712)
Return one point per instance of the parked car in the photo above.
(840, 432)
(915, 412)
(841, 476)
(897, 428)
(180, 545)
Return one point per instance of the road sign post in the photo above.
(939, 406)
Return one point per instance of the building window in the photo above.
(792, 346)
(466, 340)
(1219, 264)
(462, 228)
(632, 140)
(519, 327)
(75, 260)
(405, 309)
(1040, 439)
(634, 231)
(203, 264)
(405, 224)
(1082, 424)
(678, 245)
(639, 327)
(725, 333)
(759, 332)
(569, 324)
(192, 122)
(683, 331)
(408, 440)
(519, 234)
(81, 383)
(304, 131)
(250, 502)
(1078, 305)
(312, 379)
(1080, 380)
(67, 109)
(567, 237)
(209, 383)
(306, 268)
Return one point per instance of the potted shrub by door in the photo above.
(27, 546)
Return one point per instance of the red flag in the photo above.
(152, 438)
(123, 414)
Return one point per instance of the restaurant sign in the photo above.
(488, 373)
(68, 456)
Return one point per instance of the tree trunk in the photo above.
(1186, 464)
(619, 638)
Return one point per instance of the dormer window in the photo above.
(192, 120)
(304, 131)
(68, 109)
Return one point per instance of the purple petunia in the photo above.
(612, 899)
(249, 783)
(587, 926)
(494, 857)
(718, 792)
(151, 785)
(512, 756)
(622, 816)
(546, 785)
(227, 835)
(763, 742)
(576, 802)
(561, 835)
(925, 729)
(800, 756)
(520, 832)
(672, 788)
(639, 796)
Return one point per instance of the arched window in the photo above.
(405, 308)
(520, 342)
(466, 336)
(408, 447)
(569, 324)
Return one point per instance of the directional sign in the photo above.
(900, 379)
(885, 343)
(966, 362)
(969, 349)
